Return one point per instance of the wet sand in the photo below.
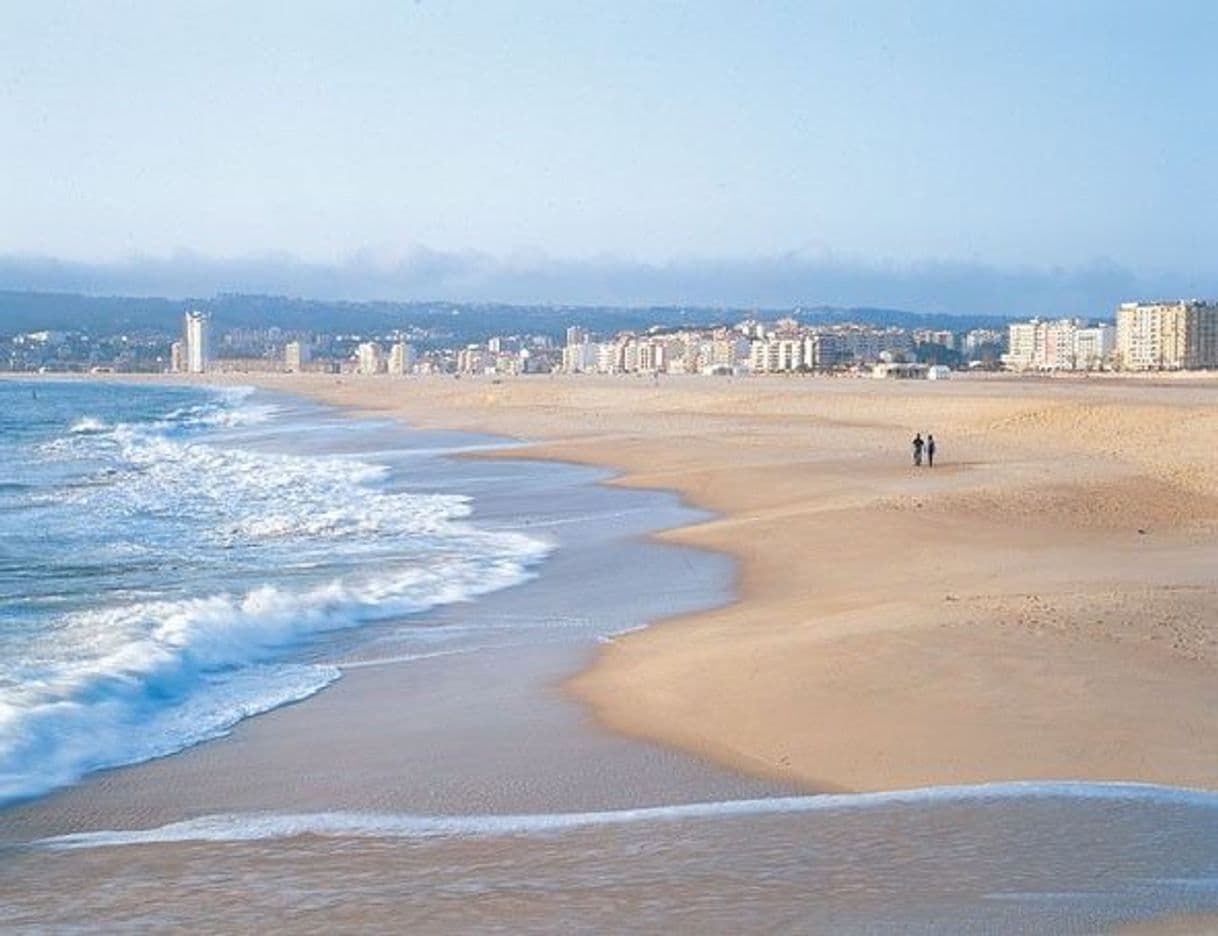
(1040, 605)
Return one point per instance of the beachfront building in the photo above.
(368, 358)
(580, 358)
(177, 358)
(295, 355)
(1094, 346)
(579, 354)
(196, 338)
(401, 359)
(1167, 335)
(474, 359)
(1060, 344)
(807, 352)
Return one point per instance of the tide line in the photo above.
(256, 826)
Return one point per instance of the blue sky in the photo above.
(1017, 139)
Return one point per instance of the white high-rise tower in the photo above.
(195, 339)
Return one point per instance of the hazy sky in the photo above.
(1005, 135)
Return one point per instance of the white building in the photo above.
(196, 341)
(401, 359)
(368, 358)
(579, 358)
(177, 358)
(295, 356)
(1094, 346)
(1063, 344)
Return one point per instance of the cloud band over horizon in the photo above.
(783, 281)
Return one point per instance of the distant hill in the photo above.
(27, 311)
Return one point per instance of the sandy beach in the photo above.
(1039, 605)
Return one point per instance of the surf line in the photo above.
(256, 826)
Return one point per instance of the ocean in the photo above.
(162, 577)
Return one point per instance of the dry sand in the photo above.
(1043, 604)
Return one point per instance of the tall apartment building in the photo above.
(368, 358)
(401, 359)
(580, 358)
(1167, 335)
(196, 341)
(1150, 336)
(295, 356)
(177, 357)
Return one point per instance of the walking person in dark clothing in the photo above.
(930, 451)
(917, 447)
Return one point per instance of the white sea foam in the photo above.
(122, 681)
(87, 424)
(243, 827)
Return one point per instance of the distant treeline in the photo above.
(27, 311)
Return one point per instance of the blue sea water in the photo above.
(162, 578)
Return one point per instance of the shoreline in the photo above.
(472, 674)
(488, 771)
(971, 657)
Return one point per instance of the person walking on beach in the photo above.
(917, 447)
(930, 451)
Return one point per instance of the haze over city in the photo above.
(1035, 158)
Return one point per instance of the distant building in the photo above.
(368, 358)
(1061, 344)
(177, 358)
(1167, 335)
(474, 359)
(295, 356)
(945, 339)
(401, 359)
(579, 358)
(979, 339)
(196, 341)
(1094, 346)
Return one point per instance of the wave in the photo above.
(188, 671)
(120, 681)
(245, 827)
(86, 425)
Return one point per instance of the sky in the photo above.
(938, 155)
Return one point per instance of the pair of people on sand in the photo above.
(926, 446)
